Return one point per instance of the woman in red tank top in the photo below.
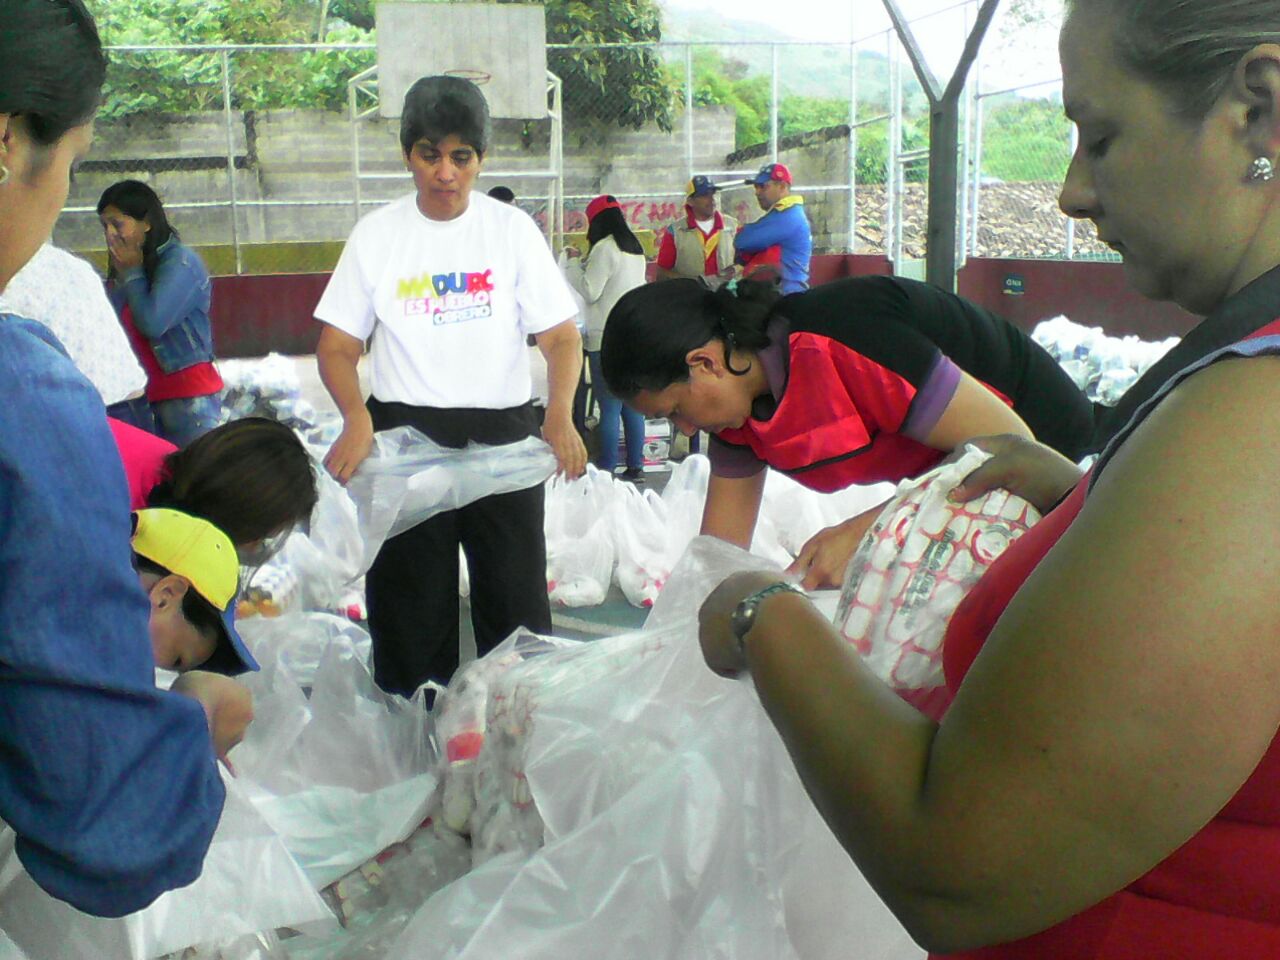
(1106, 783)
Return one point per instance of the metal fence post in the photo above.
(231, 158)
(1071, 223)
(892, 246)
(688, 107)
(976, 196)
(853, 147)
(773, 107)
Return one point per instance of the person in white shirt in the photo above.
(614, 264)
(447, 283)
(65, 293)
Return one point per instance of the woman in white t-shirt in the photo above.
(446, 284)
(614, 264)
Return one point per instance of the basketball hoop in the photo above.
(478, 77)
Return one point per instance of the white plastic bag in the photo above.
(912, 569)
(580, 544)
(640, 531)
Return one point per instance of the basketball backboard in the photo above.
(503, 47)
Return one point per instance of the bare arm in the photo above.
(974, 411)
(338, 356)
(561, 346)
(1099, 729)
(732, 507)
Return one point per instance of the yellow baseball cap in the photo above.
(201, 553)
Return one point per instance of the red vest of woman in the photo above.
(837, 422)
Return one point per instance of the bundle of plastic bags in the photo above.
(597, 522)
(270, 387)
(1104, 367)
(639, 805)
(912, 569)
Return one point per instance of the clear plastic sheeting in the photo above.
(912, 569)
(408, 479)
(1104, 367)
(342, 771)
(673, 823)
(249, 883)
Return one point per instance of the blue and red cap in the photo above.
(770, 171)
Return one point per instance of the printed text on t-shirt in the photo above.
(447, 297)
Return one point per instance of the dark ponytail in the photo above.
(652, 328)
(611, 223)
(51, 66)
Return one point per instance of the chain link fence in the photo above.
(260, 164)
(1024, 146)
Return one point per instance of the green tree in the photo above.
(179, 82)
(1025, 140)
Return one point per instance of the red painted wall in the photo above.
(1093, 294)
(255, 315)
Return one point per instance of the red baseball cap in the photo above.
(602, 203)
(770, 171)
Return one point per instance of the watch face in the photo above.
(740, 621)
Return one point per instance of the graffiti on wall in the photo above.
(648, 214)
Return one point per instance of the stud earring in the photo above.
(4, 174)
(1262, 170)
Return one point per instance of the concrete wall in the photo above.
(293, 155)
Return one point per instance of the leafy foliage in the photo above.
(1025, 140)
(160, 81)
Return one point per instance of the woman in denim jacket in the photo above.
(161, 291)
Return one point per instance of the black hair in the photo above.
(53, 66)
(250, 478)
(611, 223)
(135, 199)
(435, 107)
(198, 611)
(503, 194)
(652, 328)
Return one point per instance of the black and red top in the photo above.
(861, 370)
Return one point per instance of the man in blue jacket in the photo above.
(784, 227)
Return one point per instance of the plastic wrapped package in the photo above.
(476, 716)
(343, 772)
(913, 567)
(673, 822)
(249, 883)
(581, 549)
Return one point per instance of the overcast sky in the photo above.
(1010, 57)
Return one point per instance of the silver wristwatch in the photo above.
(743, 617)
